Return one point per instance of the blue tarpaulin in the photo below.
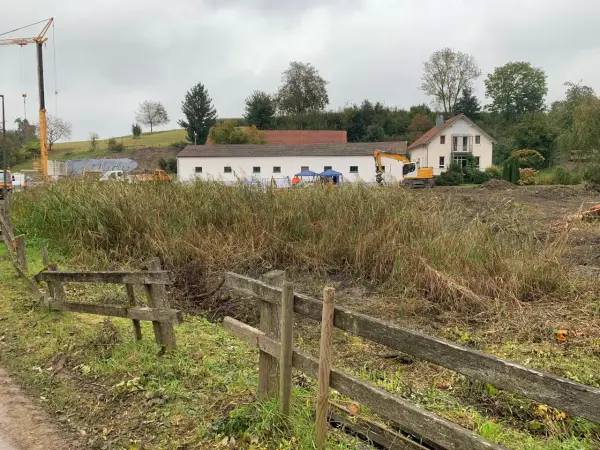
(77, 166)
(330, 173)
(307, 173)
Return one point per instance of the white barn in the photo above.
(229, 163)
(452, 141)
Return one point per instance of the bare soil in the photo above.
(148, 158)
(24, 426)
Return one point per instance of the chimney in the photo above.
(439, 121)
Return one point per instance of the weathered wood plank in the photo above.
(287, 349)
(324, 366)
(137, 327)
(21, 254)
(411, 418)
(268, 366)
(170, 316)
(157, 298)
(373, 431)
(118, 277)
(575, 398)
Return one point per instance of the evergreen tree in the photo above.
(199, 113)
(468, 105)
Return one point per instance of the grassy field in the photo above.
(495, 270)
(115, 393)
(81, 149)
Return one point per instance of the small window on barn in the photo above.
(276, 169)
(326, 168)
(442, 139)
(303, 168)
(256, 169)
(227, 169)
(353, 169)
(442, 162)
(198, 169)
(478, 139)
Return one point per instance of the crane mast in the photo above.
(39, 41)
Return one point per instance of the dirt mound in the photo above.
(497, 185)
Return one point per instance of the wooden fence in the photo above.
(575, 398)
(154, 281)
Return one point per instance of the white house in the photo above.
(229, 163)
(452, 141)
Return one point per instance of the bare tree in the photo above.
(152, 113)
(57, 129)
(446, 74)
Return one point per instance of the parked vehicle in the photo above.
(9, 182)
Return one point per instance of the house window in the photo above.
(198, 169)
(227, 169)
(276, 169)
(478, 139)
(442, 139)
(477, 162)
(353, 169)
(256, 169)
(383, 168)
(442, 162)
(326, 168)
(303, 168)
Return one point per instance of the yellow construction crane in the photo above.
(38, 40)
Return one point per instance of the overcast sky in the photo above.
(113, 54)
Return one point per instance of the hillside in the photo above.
(147, 149)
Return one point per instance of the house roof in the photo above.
(292, 137)
(427, 137)
(274, 150)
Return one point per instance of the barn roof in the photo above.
(273, 150)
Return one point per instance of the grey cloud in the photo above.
(114, 54)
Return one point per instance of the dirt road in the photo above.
(23, 426)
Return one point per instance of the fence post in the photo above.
(287, 348)
(21, 255)
(55, 288)
(324, 367)
(157, 298)
(268, 366)
(137, 328)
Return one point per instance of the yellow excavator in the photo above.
(412, 174)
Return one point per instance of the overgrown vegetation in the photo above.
(451, 259)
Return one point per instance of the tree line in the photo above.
(516, 113)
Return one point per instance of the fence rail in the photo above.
(154, 280)
(575, 398)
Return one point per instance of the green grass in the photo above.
(81, 149)
(98, 381)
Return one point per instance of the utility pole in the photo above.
(4, 151)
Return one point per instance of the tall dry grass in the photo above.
(418, 244)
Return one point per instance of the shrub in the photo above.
(591, 176)
(114, 146)
(494, 172)
(450, 178)
(168, 165)
(179, 144)
(476, 176)
(527, 176)
(136, 130)
(562, 175)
